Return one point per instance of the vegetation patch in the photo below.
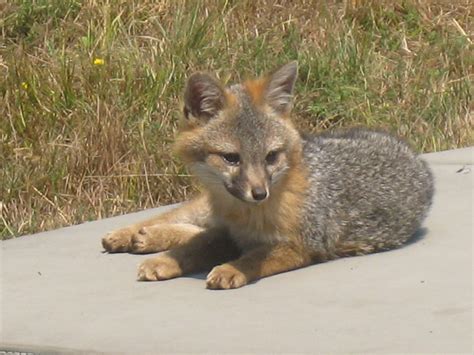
(90, 92)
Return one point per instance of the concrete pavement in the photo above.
(59, 293)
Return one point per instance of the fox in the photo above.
(273, 199)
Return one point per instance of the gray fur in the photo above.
(368, 192)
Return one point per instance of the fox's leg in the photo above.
(256, 263)
(162, 232)
(205, 250)
(152, 239)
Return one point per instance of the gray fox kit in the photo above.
(274, 200)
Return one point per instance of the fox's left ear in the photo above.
(279, 90)
(203, 97)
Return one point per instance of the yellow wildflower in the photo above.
(24, 85)
(99, 61)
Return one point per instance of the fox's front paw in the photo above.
(225, 277)
(160, 268)
(146, 240)
(118, 241)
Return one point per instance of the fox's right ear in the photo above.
(280, 86)
(203, 97)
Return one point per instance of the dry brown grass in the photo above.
(81, 141)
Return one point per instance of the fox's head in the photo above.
(238, 140)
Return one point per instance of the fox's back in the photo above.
(367, 192)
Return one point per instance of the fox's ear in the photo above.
(203, 97)
(279, 91)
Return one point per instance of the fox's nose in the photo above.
(259, 193)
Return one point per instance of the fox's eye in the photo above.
(271, 157)
(231, 158)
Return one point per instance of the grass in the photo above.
(90, 92)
